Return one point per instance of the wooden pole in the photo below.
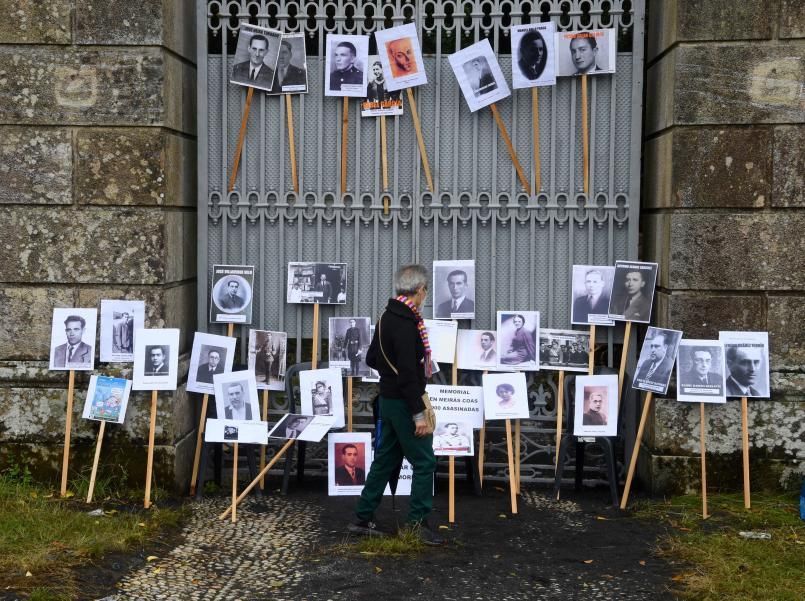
(235, 484)
(262, 473)
(585, 135)
(315, 358)
(241, 137)
(745, 446)
(481, 443)
(383, 154)
(624, 353)
(230, 329)
(512, 484)
(535, 143)
(517, 454)
(510, 147)
(702, 430)
(560, 404)
(68, 426)
(262, 446)
(149, 468)
(591, 358)
(349, 404)
(636, 449)
(344, 143)
(291, 140)
(95, 462)
(419, 139)
(202, 423)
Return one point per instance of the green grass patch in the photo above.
(406, 543)
(718, 563)
(48, 537)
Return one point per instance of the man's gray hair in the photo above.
(409, 279)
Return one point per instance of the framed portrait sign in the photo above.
(211, 355)
(479, 75)
(656, 360)
(321, 393)
(592, 289)
(505, 396)
(380, 101)
(72, 339)
(596, 406)
(290, 76)
(119, 320)
(303, 427)
(517, 335)
(346, 64)
(700, 372)
(533, 55)
(255, 57)
(454, 289)
(236, 396)
(565, 350)
(453, 436)
(442, 337)
(236, 430)
(156, 359)
(401, 56)
(633, 291)
(267, 358)
(349, 340)
(477, 350)
(323, 283)
(107, 399)
(466, 401)
(747, 358)
(231, 294)
(349, 459)
(590, 52)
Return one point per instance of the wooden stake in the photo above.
(535, 143)
(626, 335)
(585, 135)
(383, 154)
(241, 137)
(344, 145)
(517, 454)
(202, 423)
(230, 329)
(262, 446)
(95, 462)
(636, 449)
(419, 139)
(559, 410)
(512, 483)
(315, 358)
(262, 473)
(510, 147)
(291, 140)
(705, 515)
(745, 446)
(235, 484)
(68, 426)
(591, 358)
(149, 468)
(451, 513)
(349, 404)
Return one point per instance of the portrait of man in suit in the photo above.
(345, 72)
(296, 425)
(459, 301)
(231, 299)
(75, 352)
(488, 354)
(237, 406)
(657, 367)
(596, 299)
(123, 334)
(288, 74)
(479, 75)
(255, 72)
(326, 288)
(594, 414)
(699, 373)
(532, 56)
(348, 473)
(213, 365)
(156, 361)
(583, 53)
(634, 300)
(744, 366)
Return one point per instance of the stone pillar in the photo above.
(723, 215)
(97, 183)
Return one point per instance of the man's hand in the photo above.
(421, 428)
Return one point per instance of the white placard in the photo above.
(231, 294)
(564, 350)
(700, 372)
(349, 341)
(346, 65)
(302, 427)
(517, 337)
(235, 430)
(591, 289)
(380, 101)
(747, 355)
(453, 436)
(401, 57)
(454, 289)
(291, 73)
(464, 401)
(477, 350)
(533, 55)
(72, 339)
(656, 360)
(479, 75)
(633, 291)
(236, 396)
(505, 396)
(349, 459)
(107, 399)
(267, 357)
(321, 393)
(119, 320)
(255, 57)
(596, 406)
(442, 338)
(211, 355)
(156, 359)
(590, 52)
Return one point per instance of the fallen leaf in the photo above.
(642, 562)
(28, 574)
(276, 583)
(600, 517)
(142, 524)
(496, 556)
(678, 577)
(368, 553)
(588, 561)
(151, 558)
(157, 570)
(502, 516)
(684, 529)
(500, 489)
(50, 496)
(34, 495)
(378, 569)
(69, 494)
(444, 527)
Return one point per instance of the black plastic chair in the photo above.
(606, 442)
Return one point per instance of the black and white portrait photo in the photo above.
(255, 57)
(267, 356)
(323, 283)
(454, 289)
(533, 60)
(589, 52)
(453, 437)
(700, 376)
(231, 294)
(230, 430)
(505, 396)
(72, 339)
(567, 350)
(156, 359)
(517, 335)
(211, 355)
(322, 393)
(596, 406)
(477, 350)
(346, 68)
(401, 56)
(236, 396)
(592, 288)
(119, 320)
(290, 76)
(747, 357)
(349, 341)
(633, 291)
(479, 75)
(379, 99)
(291, 426)
(656, 360)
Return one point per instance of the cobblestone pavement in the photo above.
(292, 547)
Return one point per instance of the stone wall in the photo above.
(724, 214)
(98, 194)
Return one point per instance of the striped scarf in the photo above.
(423, 332)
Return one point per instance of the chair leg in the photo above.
(252, 463)
(564, 450)
(580, 446)
(471, 466)
(300, 461)
(286, 476)
(613, 481)
(202, 470)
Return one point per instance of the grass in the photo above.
(406, 543)
(49, 537)
(717, 563)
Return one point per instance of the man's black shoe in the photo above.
(365, 528)
(425, 534)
